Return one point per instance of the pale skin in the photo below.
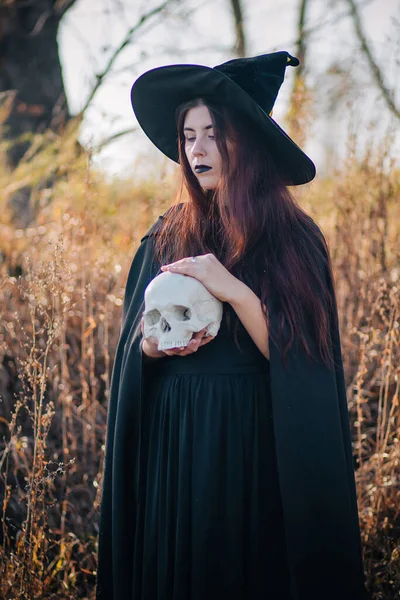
(201, 149)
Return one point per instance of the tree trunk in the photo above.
(298, 115)
(30, 66)
(237, 11)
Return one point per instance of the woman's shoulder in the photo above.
(321, 260)
(312, 229)
(175, 208)
(312, 233)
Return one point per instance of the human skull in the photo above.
(176, 306)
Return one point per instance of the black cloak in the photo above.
(313, 449)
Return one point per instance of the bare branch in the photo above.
(128, 38)
(301, 40)
(56, 8)
(113, 137)
(12, 4)
(6, 101)
(240, 45)
(299, 105)
(179, 52)
(61, 7)
(373, 65)
(40, 23)
(324, 23)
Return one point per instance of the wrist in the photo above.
(149, 352)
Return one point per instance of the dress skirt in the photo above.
(209, 523)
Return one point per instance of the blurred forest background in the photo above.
(80, 185)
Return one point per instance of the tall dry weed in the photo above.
(61, 293)
(360, 215)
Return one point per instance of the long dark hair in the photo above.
(254, 226)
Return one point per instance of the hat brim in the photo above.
(156, 95)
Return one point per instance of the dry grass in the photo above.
(61, 292)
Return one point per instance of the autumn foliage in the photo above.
(61, 290)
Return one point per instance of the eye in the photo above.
(190, 139)
(152, 317)
(182, 313)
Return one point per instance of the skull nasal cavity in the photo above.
(165, 327)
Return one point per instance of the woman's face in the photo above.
(200, 147)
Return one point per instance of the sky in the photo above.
(202, 32)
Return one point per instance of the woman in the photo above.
(228, 468)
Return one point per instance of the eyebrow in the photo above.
(190, 129)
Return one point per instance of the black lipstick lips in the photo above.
(202, 169)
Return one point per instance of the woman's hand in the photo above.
(211, 273)
(150, 345)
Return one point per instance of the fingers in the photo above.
(203, 338)
(189, 349)
(206, 340)
(180, 351)
(194, 344)
(172, 352)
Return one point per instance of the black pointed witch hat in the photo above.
(250, 85)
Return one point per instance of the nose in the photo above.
(198, 148)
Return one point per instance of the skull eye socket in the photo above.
(182, 313)
(152, 317)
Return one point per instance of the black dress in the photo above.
(209, 523)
